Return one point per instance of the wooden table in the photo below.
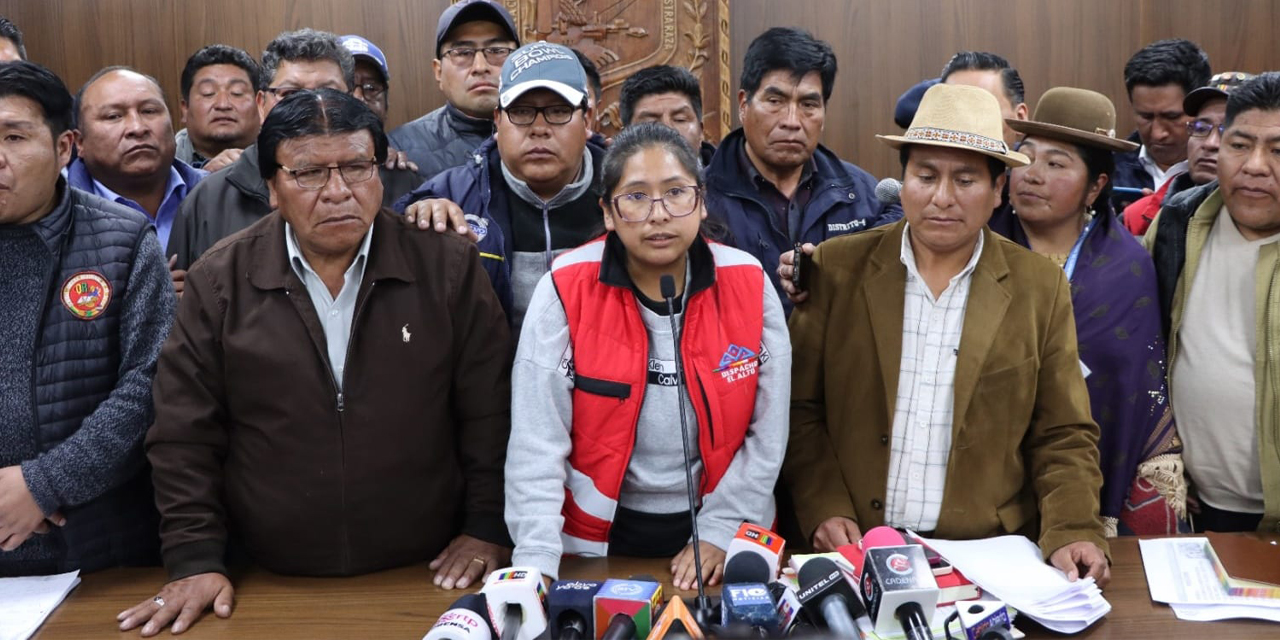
(403, 603)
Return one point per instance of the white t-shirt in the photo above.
(1212, 381)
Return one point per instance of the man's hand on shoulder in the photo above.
(1086, 557)
(181, 602)
(466, 561)
(441, 214)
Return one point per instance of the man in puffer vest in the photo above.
(85, 303)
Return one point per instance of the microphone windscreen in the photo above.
(746, 567)
(889, 191)
(667, 284)
(882, 537)
(815, 570)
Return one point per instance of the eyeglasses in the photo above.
(466, 56)
(522, 115)
(638, 206)
(1202, 128)
(282, 92)
(314, 178)
(371, 91)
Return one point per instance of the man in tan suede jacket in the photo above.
(937, 385)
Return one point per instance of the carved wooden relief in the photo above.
(622, 36)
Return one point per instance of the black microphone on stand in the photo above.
(702, 606)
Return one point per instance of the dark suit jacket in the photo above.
(1024, 447)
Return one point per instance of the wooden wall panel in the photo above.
(883, 46)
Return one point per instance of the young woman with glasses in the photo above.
(596, 460)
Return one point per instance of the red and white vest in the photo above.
(721, 351)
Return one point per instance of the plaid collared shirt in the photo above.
(922, 417)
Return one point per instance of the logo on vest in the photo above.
(738, 363)
(86, 295)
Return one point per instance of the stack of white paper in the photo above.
(1180, 574)
(1011, 568)
(26, 602)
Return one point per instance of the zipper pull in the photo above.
(341, 403)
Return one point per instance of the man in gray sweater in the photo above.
(85, 302)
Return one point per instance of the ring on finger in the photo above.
(158, 600)
(481, 560)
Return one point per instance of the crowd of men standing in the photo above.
(285, 335)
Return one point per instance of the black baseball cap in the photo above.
(1219, 86)
(471, 11)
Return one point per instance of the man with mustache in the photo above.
(124, 136)
(473, 38)
(289, 431)
(533, 190)
(771, 182)
(1217, 264)
(218, 108)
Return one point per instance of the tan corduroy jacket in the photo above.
(1024, 456)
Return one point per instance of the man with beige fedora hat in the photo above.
(936, 382)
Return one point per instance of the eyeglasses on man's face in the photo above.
(315, 178)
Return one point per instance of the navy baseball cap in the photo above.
(362, 48)
(471, 11)
(543, 65)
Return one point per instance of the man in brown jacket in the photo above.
(936, 383)
(334, 398)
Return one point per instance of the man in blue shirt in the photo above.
(126, 147)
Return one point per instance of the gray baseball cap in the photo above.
(471, 11)
(542, 65)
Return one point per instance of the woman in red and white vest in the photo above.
(595, 464)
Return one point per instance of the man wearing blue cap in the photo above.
(533, 190)
(473, 38)
(373, 76)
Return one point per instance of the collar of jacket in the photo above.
(724, 174)
(463, 123)
(244, 176)
(989, 297)
(271, 269)
(78, 175)
(52, 228)
(613, 265)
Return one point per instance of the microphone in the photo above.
(466, 619)
(571, 610)
(981, 620)
(758, 541)
(898, 585)
(790, 616)
(745, 599)
(702, 606)
(828, 597)
(675, 621)
(626, 608)
(889, 191)
(517, 602)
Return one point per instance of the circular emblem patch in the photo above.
(86, 295)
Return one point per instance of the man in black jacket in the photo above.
(85, 303)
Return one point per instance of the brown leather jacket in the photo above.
(253, 441)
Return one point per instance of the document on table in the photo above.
(1180, 574)
(25, 603)
(1011, 568)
